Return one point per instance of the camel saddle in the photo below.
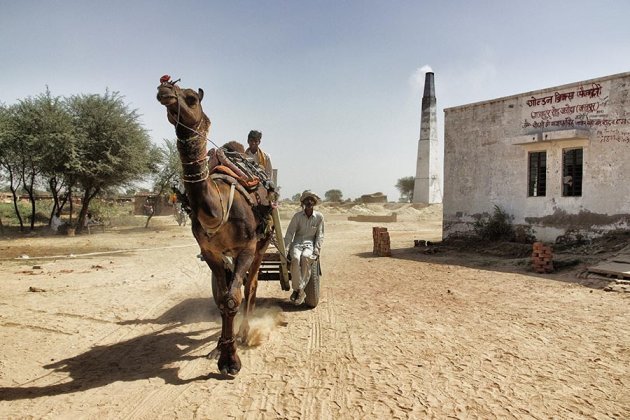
(240, 167)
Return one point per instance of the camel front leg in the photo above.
(242, 264)
(228, 303)
(229, 362)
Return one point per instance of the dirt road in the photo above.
(124, 334)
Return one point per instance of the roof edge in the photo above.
(533, 92)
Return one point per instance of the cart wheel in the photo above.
(312, 287)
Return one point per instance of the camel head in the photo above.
(183, 106)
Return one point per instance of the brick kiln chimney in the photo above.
(427, 188)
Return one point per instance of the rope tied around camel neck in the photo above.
(196, 171)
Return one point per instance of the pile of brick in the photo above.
(542, 258)
(382, 247)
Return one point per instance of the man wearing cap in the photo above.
(304, 238)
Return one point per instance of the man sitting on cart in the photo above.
(304, 238)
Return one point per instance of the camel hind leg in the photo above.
(251, 285)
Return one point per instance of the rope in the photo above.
(205, 173)
(196, 161)
(194, 130)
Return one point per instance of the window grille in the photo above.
(537, 169)
(572, 172)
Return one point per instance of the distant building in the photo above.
(556, 159)
(377, 197)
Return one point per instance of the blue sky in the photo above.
(335, 86)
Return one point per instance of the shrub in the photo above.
(495, 227)
(524, 235)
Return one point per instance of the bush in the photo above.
(7, 212)
(105, 210)
(524, 235)
(114, 213)
(495, 227)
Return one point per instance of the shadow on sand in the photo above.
(146, 356)
(284, 304)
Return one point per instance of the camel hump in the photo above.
(233, 146)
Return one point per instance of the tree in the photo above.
(334, 196)
(296, 197)
(112, 147)
(10, 156)
(35, 135)
(405, 185)
(9, 160)
(168, 172)
(45, 131)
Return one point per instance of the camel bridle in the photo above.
(197, 170)
(203, 171)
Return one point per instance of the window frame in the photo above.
(572, 172)
(535, 185)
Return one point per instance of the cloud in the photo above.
(417, 78)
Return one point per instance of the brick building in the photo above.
(557, 159)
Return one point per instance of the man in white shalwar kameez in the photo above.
(304, 239)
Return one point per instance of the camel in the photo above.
(226, 235)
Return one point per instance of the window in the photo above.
(537, 186)
(572, 172)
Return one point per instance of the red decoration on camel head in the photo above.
(165, 78)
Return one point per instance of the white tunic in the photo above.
(303, 228)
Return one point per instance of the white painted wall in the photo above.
(486, 158)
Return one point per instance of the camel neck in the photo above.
(191, 142)
(193, 156)
(192, 149)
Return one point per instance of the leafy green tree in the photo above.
(334, 196)
(9, 156)
(34, 134)
(30, 127)
(405, 185)
(46, 121)
(168, 172)
(296, 197)
(112, 147)
(35, 126)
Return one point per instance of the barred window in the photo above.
(537, 170)
(572, 172)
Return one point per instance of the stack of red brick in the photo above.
(542, 258)
(381, 242)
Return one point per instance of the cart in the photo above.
(275, 267)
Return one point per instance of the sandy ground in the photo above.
(122, 332)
